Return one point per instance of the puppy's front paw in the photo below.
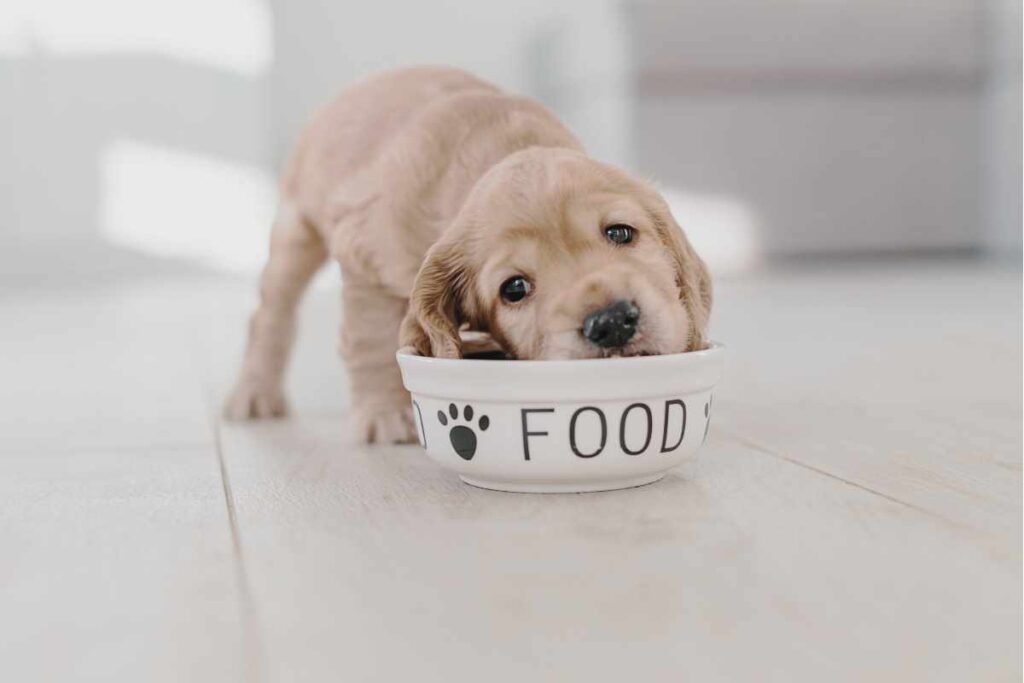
(255, 400)
(384, 425)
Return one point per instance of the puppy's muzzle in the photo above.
(611, 327)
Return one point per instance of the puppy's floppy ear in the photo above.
(431, 325)
(692, 276)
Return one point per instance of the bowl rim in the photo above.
(591, 379)
(713, 349)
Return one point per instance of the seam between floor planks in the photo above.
(253, 651)
(760, 448)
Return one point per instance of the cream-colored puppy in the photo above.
(451, 205)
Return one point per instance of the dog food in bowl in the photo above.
(562, 426)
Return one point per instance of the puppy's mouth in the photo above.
(626, 352)
(637, 346)
(571, 343)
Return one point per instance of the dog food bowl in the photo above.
(562, 426)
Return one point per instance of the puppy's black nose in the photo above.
(612, 326)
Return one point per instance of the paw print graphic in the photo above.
(463, 437)
(707, 416)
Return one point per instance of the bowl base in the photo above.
(563, 487)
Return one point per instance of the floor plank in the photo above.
(117, 565)
(110, 366)
(904, 381)
(372, 562)
(855, 516)
(116, 556)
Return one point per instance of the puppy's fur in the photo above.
(431, 188)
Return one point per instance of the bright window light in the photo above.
(182, 205)
(234, 35)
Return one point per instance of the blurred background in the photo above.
(851, 171)
(142, 138)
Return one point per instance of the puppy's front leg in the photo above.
(381, 409)
(296, 253)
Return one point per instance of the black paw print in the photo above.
(463, 438)
(707, 415)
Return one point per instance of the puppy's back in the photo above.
(347, 135)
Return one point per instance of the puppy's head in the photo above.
(558, 256)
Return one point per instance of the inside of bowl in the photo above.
(487, 355)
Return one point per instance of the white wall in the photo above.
(323, 45)
(122, 131)
(126, 122)
(143, 129)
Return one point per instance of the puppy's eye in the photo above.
(619, 233)
(515, 289)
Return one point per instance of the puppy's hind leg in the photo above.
(381, 410)
(296, 253)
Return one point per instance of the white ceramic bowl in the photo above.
(562, 426)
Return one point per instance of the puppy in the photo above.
(452, 206)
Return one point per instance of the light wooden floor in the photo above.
(856, 515)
